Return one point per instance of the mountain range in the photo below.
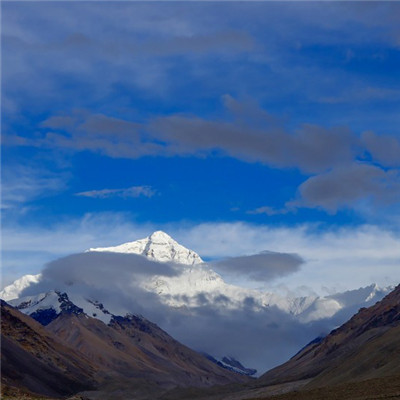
(59, 342)
(196, 306)
(133, 358)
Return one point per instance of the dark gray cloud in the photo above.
(99, 125)
(133, 191)
(96, 268)
(349, 185)
(383, 148)
(255, 137)
(248, 133)
(264, 266)
(82, 130)
(113, 278)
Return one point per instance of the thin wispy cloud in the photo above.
(267, 210)
(133, 191)
(23, 184)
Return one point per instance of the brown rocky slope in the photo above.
(133, 347)
(33, 358)
(77, 353)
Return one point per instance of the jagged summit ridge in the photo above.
(159, 246)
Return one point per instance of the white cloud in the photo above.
(335, 259)
(21, 184)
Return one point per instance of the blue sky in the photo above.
(123, 117)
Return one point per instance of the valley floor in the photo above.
(372, 389)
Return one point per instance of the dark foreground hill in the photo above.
(33, 358)
(77, 353)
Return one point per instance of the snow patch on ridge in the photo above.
(54, 300)
(43, 301)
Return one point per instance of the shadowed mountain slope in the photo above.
(34, 359)
(75, 353)
(133, 347)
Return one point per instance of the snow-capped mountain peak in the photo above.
(159, 246)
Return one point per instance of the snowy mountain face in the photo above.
(158, 247)
(232, 364)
